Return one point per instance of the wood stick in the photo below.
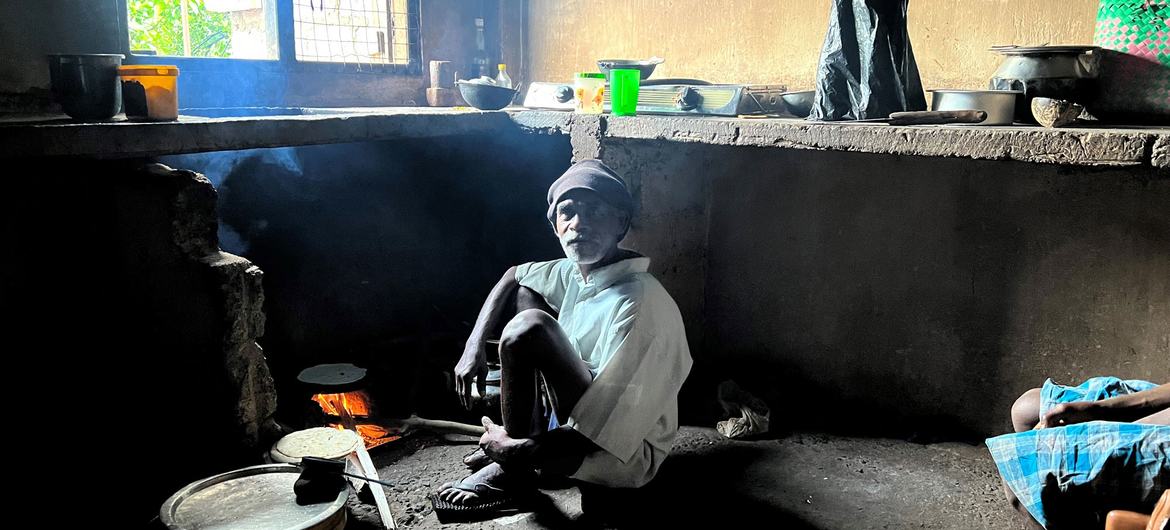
(370, 471)
(403, 426)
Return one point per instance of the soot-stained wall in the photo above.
(920, 294)
(382, 253)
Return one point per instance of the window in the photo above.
(238, 29)
(352, 31)
(373, 35)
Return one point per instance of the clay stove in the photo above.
(338, 391)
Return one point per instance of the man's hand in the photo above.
(472, 366)
(1067, 414)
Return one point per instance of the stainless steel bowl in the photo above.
(644, 68)
(1000, 105)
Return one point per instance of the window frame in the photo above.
(286, 60)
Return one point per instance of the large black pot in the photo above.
(86, 85)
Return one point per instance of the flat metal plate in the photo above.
(257, 497)
(333, 378)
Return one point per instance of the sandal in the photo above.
(490, 499)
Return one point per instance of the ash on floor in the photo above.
(800, 481)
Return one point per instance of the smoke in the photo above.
(218, 167)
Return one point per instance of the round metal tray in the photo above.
(252, 497)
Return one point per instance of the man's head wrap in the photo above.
(592, 175)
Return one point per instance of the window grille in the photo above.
(361, 32)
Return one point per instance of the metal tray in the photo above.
(252, 497)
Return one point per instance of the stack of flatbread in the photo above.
(321, 442)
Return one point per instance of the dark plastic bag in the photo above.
(867, 67)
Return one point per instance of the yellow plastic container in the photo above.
(150, 91)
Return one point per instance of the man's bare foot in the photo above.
(502, 448)
(488, 485)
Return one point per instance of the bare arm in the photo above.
(473, 363)
(1130, 407)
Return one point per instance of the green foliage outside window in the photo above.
(158, 25)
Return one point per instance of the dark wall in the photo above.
(918, 294)
(382, 253)
(119, 324)
(31, 30)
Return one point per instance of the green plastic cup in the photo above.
(624, 91)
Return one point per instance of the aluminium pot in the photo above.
(1000, 105)
(1057, 72)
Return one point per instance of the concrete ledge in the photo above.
(193, 134)
(1103, 147)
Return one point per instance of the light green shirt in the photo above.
(629, 332)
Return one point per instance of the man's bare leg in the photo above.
(532, 344)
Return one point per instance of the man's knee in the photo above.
(526, 327)
(1026, 411)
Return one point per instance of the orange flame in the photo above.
(352, 407)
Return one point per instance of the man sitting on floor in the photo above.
(612, 359)
(1081, 451)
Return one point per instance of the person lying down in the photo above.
(1080, 451)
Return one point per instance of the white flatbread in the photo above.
(321, 442)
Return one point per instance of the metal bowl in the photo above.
(799, 104)
(644, 68)
(1000, 105)
(486, 97)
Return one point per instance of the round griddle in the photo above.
(332, 378)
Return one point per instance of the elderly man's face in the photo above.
(588, 227)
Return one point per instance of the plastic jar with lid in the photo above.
(588, 92)
(150, 92)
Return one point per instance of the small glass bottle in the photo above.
(502, 78)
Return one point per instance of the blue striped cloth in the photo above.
(1078, 472)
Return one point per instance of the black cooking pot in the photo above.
(86, 85)
(486, 97)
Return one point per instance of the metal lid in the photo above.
(965, 91)
(1041, 50)
(148, 69)
(332, 378)
(590, 75)
(252, 497)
